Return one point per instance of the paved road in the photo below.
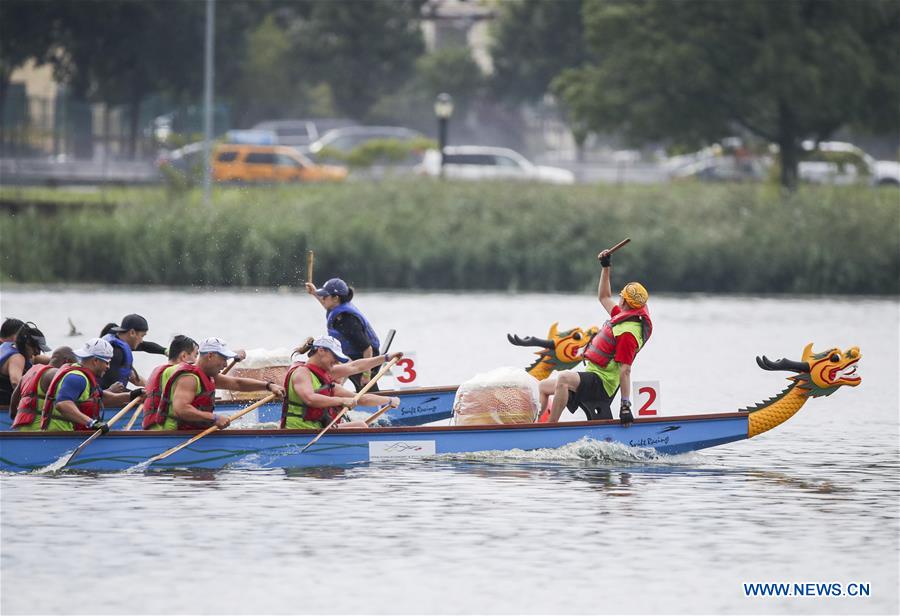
(43, 172)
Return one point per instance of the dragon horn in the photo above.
(529, 341)
(782, 364)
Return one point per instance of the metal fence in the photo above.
(62, 128)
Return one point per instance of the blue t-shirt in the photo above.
(71, 388)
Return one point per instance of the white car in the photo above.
(837, 162)
(476, 162)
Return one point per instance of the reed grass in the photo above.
(423, 234)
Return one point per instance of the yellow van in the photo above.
(269, 163)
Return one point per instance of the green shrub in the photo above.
(427, 234)
(377, 151)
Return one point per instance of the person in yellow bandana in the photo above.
(608, 357)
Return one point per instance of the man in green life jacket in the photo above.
(188, 400)
(608, 357)
(74, 398)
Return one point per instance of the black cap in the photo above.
(132, 321)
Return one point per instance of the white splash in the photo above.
(583, 450)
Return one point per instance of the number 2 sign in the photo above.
(646, 396)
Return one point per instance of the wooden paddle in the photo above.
(240, 413)
(360, 394)
(371, 418)
(310, 258)
(134, 417)
(97, 433)
(617, 246)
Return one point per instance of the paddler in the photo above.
(28, 397)
(347, 324)
(608, 358)
(17, 357)
(314, 399)
(9, 329)
(182, 350)
(188, 399)
(126, 338)
(74, 399)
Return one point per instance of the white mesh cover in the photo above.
(263, 364)
(501, 396)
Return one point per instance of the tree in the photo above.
(26, 33)
(363, 49)
(119, 51)
(783, 71)
(533, 41)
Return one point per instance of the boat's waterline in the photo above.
(117, 451)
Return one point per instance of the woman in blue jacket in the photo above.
(346, 323)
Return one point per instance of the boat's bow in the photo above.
(818, 374)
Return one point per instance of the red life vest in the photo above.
(152, 415)
(323, 416)
(90, 407)
(28, 395)
(602, 347)
(203, 401)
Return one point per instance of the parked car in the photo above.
(347, 139)
(269, 163)
(837, 162)
(301, 133)
(184, 160)
(724, 168)
(477, 162)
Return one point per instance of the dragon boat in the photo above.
(418, 406)
(817, 374)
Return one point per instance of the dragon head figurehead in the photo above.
(561, 350)
(820, 374)
(831, 369)
(569, 345)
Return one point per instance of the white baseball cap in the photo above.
(216, 345)
(95, 347)
(327, 342)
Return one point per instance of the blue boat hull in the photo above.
(417, 407)
(282, 448)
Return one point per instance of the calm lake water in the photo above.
(586, 529)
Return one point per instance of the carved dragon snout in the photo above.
(530, 341)
(782, 364)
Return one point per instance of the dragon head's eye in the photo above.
(577, 336)
(835, 357)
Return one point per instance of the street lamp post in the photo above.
(443, 109)
(208, 69)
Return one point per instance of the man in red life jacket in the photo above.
(182, 350)
(74, 399)
(188, 400)
(29, 395)
(608, 357)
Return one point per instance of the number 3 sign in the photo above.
(408, 367)
(404, 371)
(646, 396)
